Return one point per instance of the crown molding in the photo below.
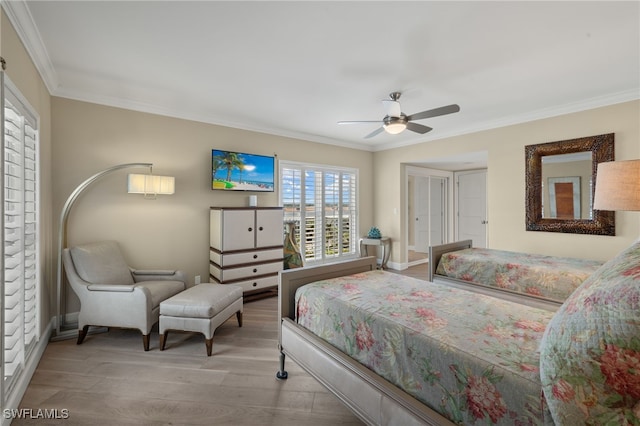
(583, 105)
(184, 114)
(20, 17)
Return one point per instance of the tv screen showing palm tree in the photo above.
(237, 171)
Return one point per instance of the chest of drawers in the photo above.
(246, 248)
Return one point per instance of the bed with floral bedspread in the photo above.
(464, 357)
(549, 277)
(473, 358)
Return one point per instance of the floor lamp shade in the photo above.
(618, 186)
(150, 184)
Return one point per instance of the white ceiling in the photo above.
(297, 68)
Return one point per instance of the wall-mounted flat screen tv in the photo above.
(238, 171)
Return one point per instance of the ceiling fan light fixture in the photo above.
(395, 127)
(395, 121)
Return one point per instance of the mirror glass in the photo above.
(566, 186)
(560, 183)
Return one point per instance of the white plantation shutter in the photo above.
(349, 235)
(313, 218)
(20, 220)
(321, 200)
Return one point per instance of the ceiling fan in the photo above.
(395, 121)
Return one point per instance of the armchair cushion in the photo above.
(161, 290)
(101, 263)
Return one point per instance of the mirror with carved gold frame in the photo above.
(597, 222)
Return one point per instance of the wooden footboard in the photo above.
(370, 397)
(436, 252)
(291, 279)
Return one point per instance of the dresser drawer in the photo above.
(242, 272)
(231, 259)
(257, 284)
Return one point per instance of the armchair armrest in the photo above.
(153, 271)
(111, 287)
(158, 275)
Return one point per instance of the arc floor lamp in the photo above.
(149, 185)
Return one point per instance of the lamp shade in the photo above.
(150, 184)
(618, 186)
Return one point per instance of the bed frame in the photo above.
(373, 399)
(436, 252)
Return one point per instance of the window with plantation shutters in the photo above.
(322, 202)
(20, 220)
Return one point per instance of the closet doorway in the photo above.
(428, 196)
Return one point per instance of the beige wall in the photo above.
(171, 231)
(25, 76)
(506, 183)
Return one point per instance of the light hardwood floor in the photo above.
(110, 380)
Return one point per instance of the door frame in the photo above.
(449, 203)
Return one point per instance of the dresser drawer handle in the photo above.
(255, 270)
(250, 229)
(255, 256)
(255, 284)
(260, 229)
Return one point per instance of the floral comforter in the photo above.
(545, 276)
(473, 358)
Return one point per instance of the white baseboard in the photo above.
(397, 265)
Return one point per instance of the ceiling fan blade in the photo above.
(418, 128)
(359, 122)
(375, 132)
(391, 108)
(449, 109)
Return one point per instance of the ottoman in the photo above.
(200, 309)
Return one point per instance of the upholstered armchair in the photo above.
(114, 295)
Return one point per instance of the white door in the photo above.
(472, 207)
(421, 203)
(430, 209)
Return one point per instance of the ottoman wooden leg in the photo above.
(209, 343)
(239, 316)
(163, 339)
